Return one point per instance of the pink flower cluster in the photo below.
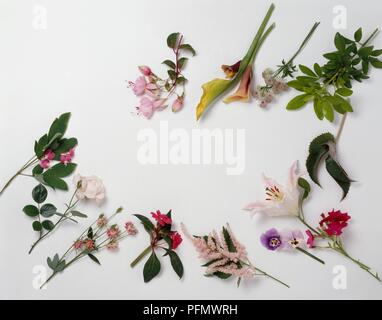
(214, 247)
(150, 89)
(49, 156)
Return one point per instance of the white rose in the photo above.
(90, 187)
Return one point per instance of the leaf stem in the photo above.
(271, 277)
(341, 127)
(141, 256)
(310, 255)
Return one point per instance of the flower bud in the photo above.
(146, 71)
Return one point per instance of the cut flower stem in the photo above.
(141, 256)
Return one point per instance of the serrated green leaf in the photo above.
(338, 174)
(39, 193)
(172, 40)
(151, 268)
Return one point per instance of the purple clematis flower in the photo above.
(271, 239)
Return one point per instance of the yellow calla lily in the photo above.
(217, 87)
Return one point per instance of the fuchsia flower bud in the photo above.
(177, 104)
(145, 70)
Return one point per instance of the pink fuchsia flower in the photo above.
(147, 106)
(279, 200)
(292, 238)
(162, 219)
(176, 240)
(141, 86)
(113, 232)
(101, 221)
(90, 187)
(49, 154)
(112, 245)
(334, 222)
(130, 228)
(67, 157)
(145, 70)
(178, 104)
(78, 244)
(89, 244)
(44, 163)
(271, 239)
(311, 238)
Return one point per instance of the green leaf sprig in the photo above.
(43, 212)
(161, 237)
(328, 86)
(55, 142)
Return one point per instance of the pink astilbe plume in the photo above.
(223, 252)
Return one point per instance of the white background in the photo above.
(80, 64)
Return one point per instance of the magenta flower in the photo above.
(162, 219)
(271, 239)
(49, 155)
(67, 157)
(146, 71)
(310, 240)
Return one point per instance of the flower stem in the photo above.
(31, 162)
(341, 127)
(141, 256)
(310, 255)
(272, 277)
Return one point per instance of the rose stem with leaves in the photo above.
(63, 218)
(33, 161)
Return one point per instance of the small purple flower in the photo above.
(271, 239)
(292, 238)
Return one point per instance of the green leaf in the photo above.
(222, 275)
(338, 174)
(59, 126)
(228, 240)
(188, 48)
(181, 80)
(40, 145)
(149, 226)
(52, 263)
(339, 42)
(318, 148)
(176, 263)
(297, 102)
(296, 85)
(345, 105)
(31, 210)
(172, 40)
(90, 233)
(317, 105)
(39, 193)
(37, 170)
(358, 35)
(328, 110)
(36, 225)
(94, 258)
(181, 62)
(170, 64)
(61, 266)
(305, 186)
(61, 170)
(48, 225)
(64, 146)
(376, 53)
(54, 182)
(365, 52)
(307, 71)
(375, 63)
(345, 92)
(151, 268)
(365, 66)
(317, 69)
(171, 74)
(48, 210)
(76, 213)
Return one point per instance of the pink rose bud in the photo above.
(146, 71)
(177, 104)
